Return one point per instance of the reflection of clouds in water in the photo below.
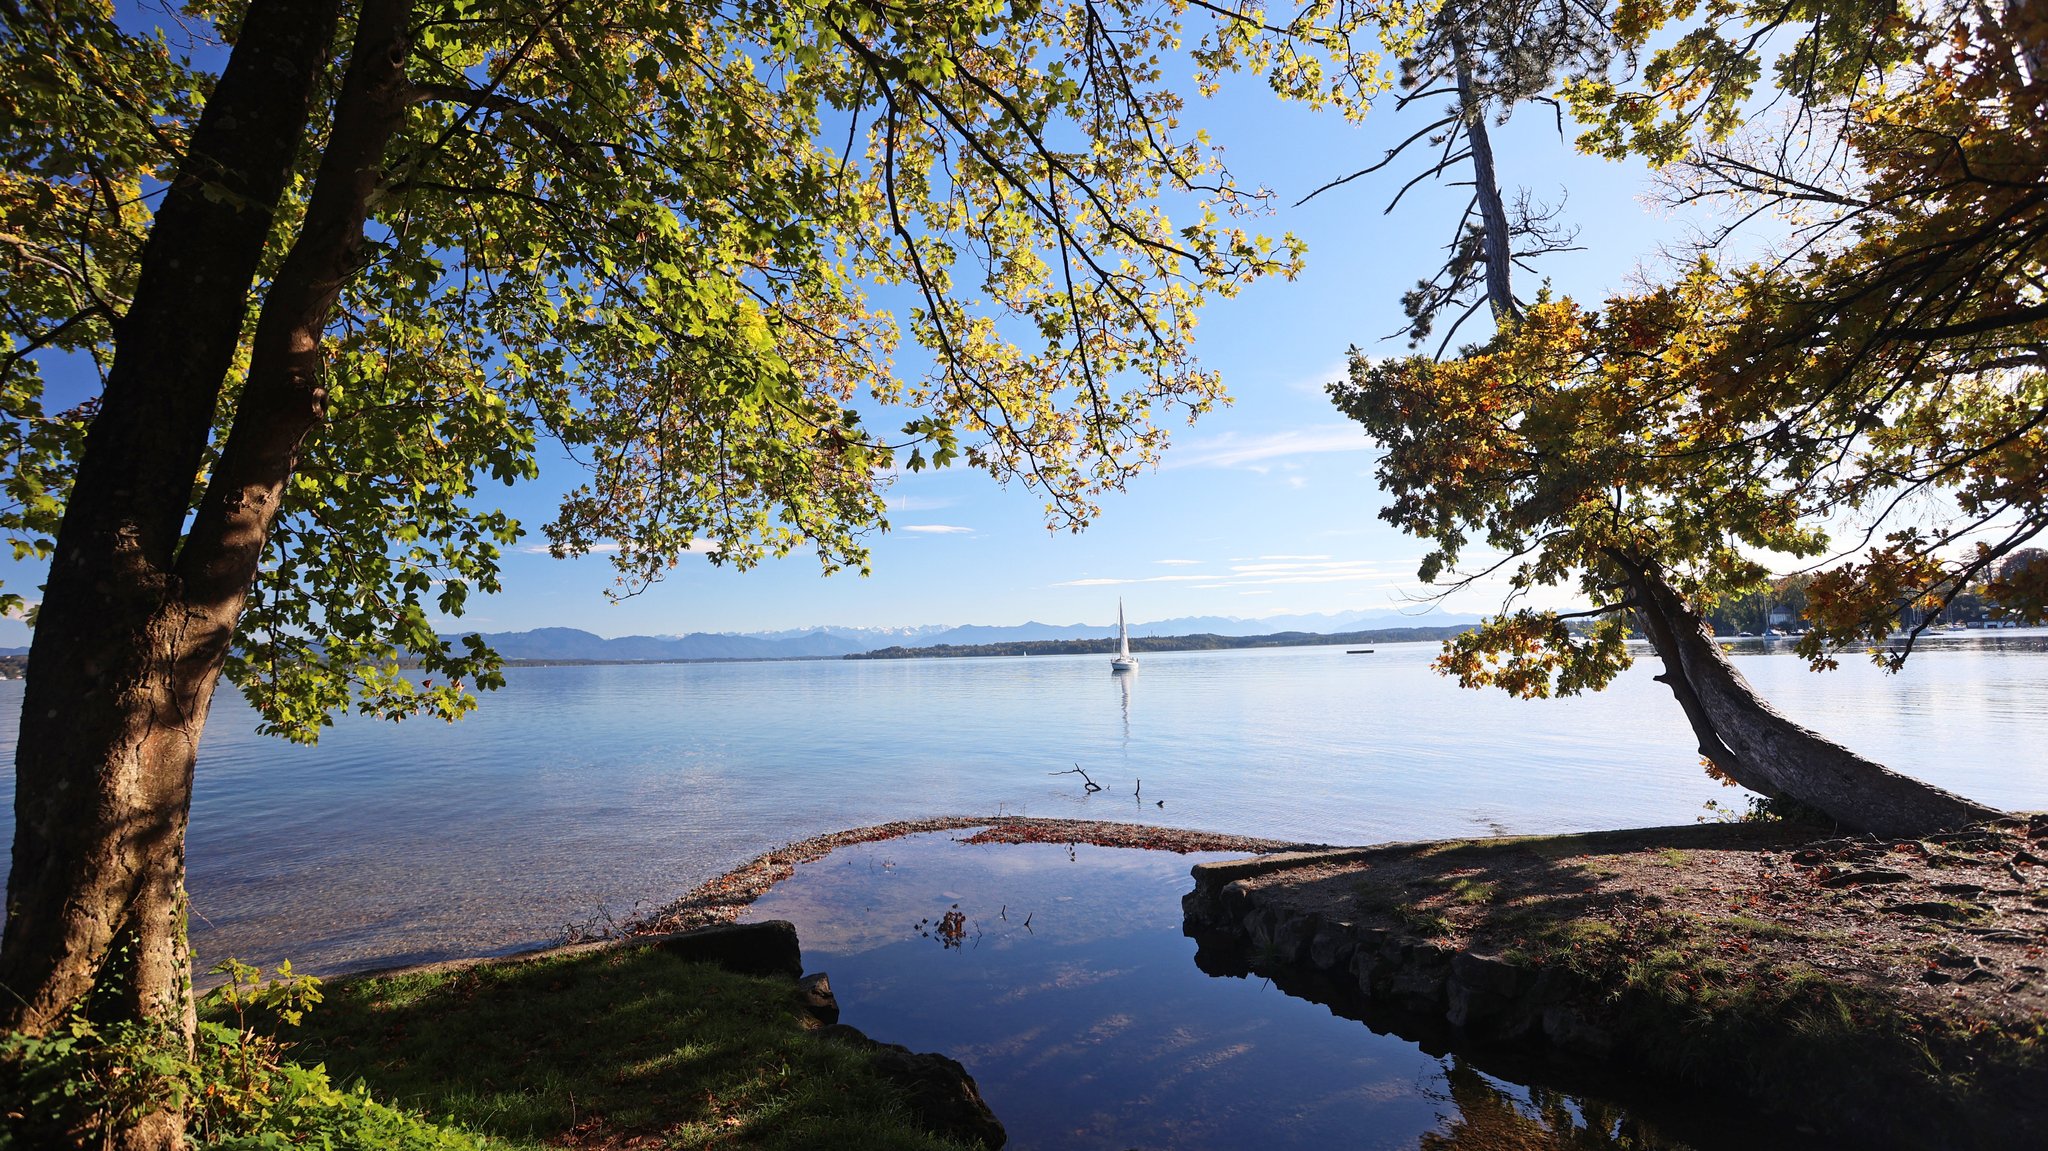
(1094, 1029)
(1010, 1046)
(1070, 978)
(1216, 1057)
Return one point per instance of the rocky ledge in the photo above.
(1875, 993)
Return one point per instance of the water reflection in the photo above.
(1075, 1002)
(581, 789)
(1489, 1115)
(1123, 686)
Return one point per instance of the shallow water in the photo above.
(579, 792)
(1073, 999)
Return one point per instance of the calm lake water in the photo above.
(1075, 1001)
(583, 791)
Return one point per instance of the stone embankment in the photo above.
(1857, 1004)
(1425, 982)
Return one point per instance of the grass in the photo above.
(1423, 921)
(603, 1046)
(1470, 890)
(1760, 928)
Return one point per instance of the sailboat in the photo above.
(1124, 660)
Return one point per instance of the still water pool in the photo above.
(1070, 994)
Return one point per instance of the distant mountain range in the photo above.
(573, 645)
(569, 645)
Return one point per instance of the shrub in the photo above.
(83, 1080)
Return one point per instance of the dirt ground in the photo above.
(720, 900)
(1951, 925)
(1949, 928)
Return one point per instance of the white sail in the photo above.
(1124, 660)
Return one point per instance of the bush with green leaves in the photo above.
(77, 1084)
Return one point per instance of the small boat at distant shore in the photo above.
(1359, 651)
(1124, 660)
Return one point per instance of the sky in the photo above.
(1265, 507)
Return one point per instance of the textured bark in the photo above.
(1751, 743)
(1493, 215)
(133, 630)
(112, 709)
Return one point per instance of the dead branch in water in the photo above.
(1093, 786)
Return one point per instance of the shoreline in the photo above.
(1880, 993)
(723, 897)
(1884, 993)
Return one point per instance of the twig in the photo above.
(1093, 786)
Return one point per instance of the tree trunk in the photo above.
(1493, 215)
(112, 708)
(1747, 740)
(133, 630)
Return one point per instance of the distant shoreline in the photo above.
(14, 666)
(1200, 642)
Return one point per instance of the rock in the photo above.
(1467, 1010)
(1491, 974)
(768, 948)
(1257, 926)
(1566, 1027)
(1482, 991)
(940, 1090)
(1292, 935)
(1864, 878)
(1418, 982)
(1933, 909)
(1366, 964)
(1333, 946)
(1234, 900)
(818, 997)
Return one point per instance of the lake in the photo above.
(582, 792)
(1071, 994)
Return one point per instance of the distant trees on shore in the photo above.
(1201, 642)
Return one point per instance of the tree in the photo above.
(1885, 370)
(1490, 56)
(2020, 588)
(335, 288)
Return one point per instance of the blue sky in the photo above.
(1262, 508)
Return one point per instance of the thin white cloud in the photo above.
(920, 503)
(1273, 571)
(1178, 563)
(934, 529)
(1234, 451)
(1111, 581)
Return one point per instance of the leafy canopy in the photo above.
(1883, 376)
(688, 242)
